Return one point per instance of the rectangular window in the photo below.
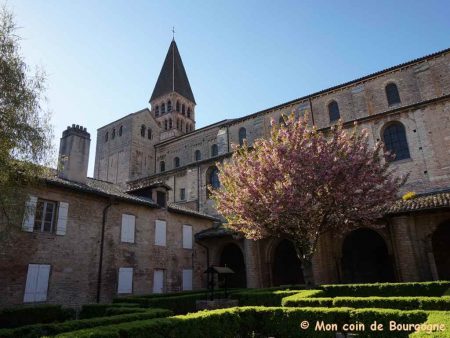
(128, 226)
(187, 237)
(187, 279)
(125, 284)
(182, 194)
(158, 281)
(160, 233)
(37, 283)
(44, 219)
(161, 199)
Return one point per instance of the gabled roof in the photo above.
(172, 77)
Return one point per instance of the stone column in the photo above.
(252, 263)
(405, 258)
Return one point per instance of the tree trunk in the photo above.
(308, 274)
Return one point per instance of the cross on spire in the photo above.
(173, 32)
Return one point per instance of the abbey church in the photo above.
(407, 106)
(145, 222)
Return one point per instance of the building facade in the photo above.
(84, 240)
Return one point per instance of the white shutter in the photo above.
(128, 226)
(28, 217)
(37, 283)
(187, 237)
(30, 286)
(125, 284)
(187, 279)
(158, 281)
(62, 218)
(42, 283)
(160, 233)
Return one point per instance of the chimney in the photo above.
(73, 156)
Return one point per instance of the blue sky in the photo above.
(102, 58)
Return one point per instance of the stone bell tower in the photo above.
(172, 101)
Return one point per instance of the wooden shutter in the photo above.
(187, 279)
(160, 233)
(128, 227)
(37, 283)
(28, 217)
(158, 281)
(125, 284)
(42, 283)
(187, 237)
(62, 218)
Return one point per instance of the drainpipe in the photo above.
(102, 241)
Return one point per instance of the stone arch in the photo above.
(286, 266)
(365, 258)
(232, 257)
(441, 250)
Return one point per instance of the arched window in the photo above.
(181, 125)
(198, 155)
(162, 166)
(165, 124)
(214, 150)
(187, 127)
(212, 178)
(149, 134)
(281, 120)
(392, 94)
(189, 112)
(176, 162)
(163, 108)
(143, 131)
(177, 106)
(333, 111)
(242, 135)
(394, 137)
(170, 123)
(169, 106)
(178, 123)
(120, 130)
(157, 111)
(183, 109)
(106, 137)
(113, 135)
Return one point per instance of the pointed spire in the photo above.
(172, 77)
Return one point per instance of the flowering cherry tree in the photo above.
(301, 183)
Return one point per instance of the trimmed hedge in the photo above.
(256, 321)
(428, 289)
(99, 310)
(39, 330)
(119, 310)
(432, 327)
(401, 303)
(25, 315)
(262, 298)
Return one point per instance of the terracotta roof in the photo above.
(172, 77)
(187, 211)
(428, 201)
(213, 232)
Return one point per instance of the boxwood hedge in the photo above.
(25, 315)
(259, 321)
(39, 330)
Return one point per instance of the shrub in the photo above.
(232, 322)
(432, 325)
(25, 315)
(121, 310)
(387, 289)
(401, 303)
(294, 299)
(39, 330)
(384, 317)
(99, 310)
(265, 298)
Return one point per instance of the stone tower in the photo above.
(172, 101)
